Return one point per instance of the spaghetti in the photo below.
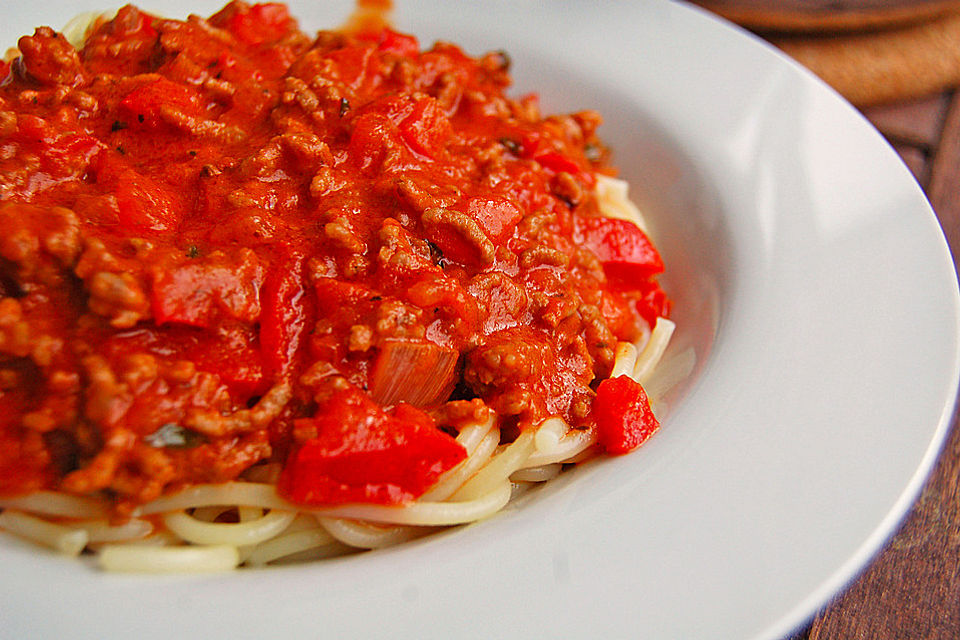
(266, 297)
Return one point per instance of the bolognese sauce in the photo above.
(229, 246)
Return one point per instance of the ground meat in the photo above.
(212, 423)
(470, 232)
(116, 285)
(49, 59)
(212, 130)
(398, 320)
(521, 373)
(212, 226)
(33, 232)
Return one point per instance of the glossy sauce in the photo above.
(217, 233)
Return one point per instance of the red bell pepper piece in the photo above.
(625, 251)
(401, 44)
(497, 216)
(144, 205)
(141, 107)
(355, 65)
(529, 144)
(229, 353)
(366, 147)
(202, 293)
(283, 317)
(623, 415)
(558, 162)
(654, 303)
(335, 296)
(453, 245)
(359, 453)
(426, 128)
(267, 22)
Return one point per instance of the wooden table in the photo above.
(912, 588)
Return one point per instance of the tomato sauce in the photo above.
(228, 243)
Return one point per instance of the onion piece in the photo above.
(419, 373)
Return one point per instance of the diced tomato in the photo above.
(141, 107)
(130, 22)
(401, 44)
(529, 144)
(283, 318)
(144, 205)
(654, 303)
(366, 148)
(557, 162)
(70, 146)
(4, 69)
(426, 128)
(273, 62)
(623, 415)
(334, 295)
(354, 65)
(359, 453)
(453, 245)
(497, 216)
(33, 129)
(230, 354)
(230, 351)
(201, 293)
(226, 61)
(267, 22)
(617, 314)
(446, 295)
(64, 150)
(625, 251)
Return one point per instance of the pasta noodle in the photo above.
(144, 559)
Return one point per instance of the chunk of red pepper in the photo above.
(623, 415)
(283, 317)
(142, 107)
(143, 204)
(371, 131)
(359, 453)
(230, 353)
(401, 44)
(625, 251)
(558, 162)
(354, 66)
(426, 128)
(654, 303)
(202, 293)
(261, 23)
(529, 144)
(497, 216)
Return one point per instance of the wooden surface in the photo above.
(817, 15)
(912, 589)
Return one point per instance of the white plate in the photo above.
(811, 279)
